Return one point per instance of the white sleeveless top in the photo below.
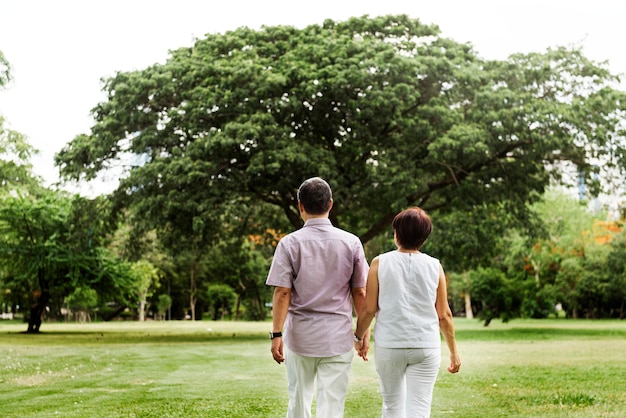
(407, 291)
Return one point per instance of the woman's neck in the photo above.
(404, 250)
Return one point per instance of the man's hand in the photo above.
(277, 350)
(362, 348)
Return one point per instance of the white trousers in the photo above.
(332, 375)
(407, 379)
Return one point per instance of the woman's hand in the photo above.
(362, 347)
(455, 363)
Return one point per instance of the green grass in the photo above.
(550, 368)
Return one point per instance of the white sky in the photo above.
(59, 50)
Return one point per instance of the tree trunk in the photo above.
(536, 269)
(469, 314)
(114, 314)
(142, 310)
(237, 307)
(192, 291)
(38, 309)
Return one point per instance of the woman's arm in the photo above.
(446, 322)
(368, 311)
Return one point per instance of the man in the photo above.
(315, 270)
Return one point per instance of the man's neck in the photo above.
(306, 216)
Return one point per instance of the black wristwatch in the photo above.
(275, 335)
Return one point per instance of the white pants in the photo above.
(407, 378)
(332, 375)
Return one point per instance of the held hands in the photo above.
(362, 347)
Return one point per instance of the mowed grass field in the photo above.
(526, 368)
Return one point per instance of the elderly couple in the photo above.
(318, 271)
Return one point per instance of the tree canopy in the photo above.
(5, 71)
(385, 108)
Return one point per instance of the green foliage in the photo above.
(146, 277)
(589, 286)
(562, 260)
(221, 299)
(539, 302)
(15, 166)
(242, 266)
(614, 295)
(390, 112)
(163, 305)
(500, 297)
(15, 151)
(5, 71)
(52, 244)
(469, 238)
(146, 280)
(82, 298)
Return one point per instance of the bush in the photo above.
(499, 297)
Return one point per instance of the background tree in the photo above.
(51, 244)
(241, 258)
(498, 294)
(465, 240)
(589, 276)
(80, 302)
(221, 299)
(139, 246)
(614, 299)
(564, 260)
(385, 108)
(146, 279)
(164, 303)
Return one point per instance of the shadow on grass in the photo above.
(513, 334)
(99, 337)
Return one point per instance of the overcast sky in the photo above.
(59, 50)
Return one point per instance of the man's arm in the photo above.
(368, 311)
(280, 307)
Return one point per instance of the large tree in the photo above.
(390, 112)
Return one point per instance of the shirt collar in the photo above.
(317, 221)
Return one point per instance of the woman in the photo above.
(406, 291)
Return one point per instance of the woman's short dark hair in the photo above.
(412, 227)
(315, 195)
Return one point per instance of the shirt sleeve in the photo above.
(281, 270)
(361, 268)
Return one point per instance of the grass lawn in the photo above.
(547, 368)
